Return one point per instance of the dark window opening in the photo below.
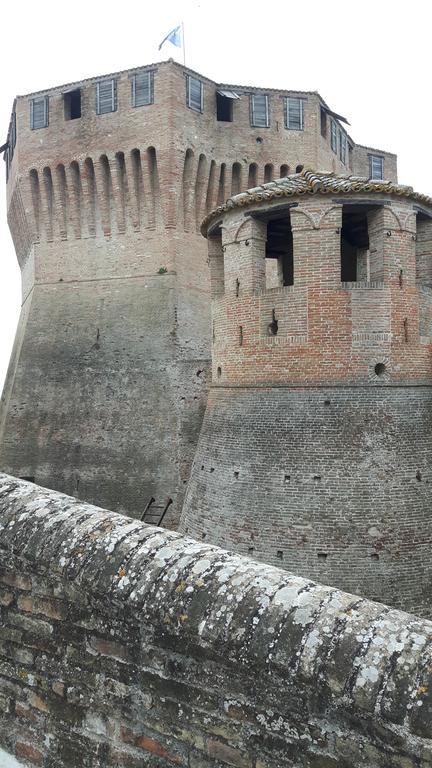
(72, 105)
(380, 369)
(224, 109)
(323, 123)
(268, 173)
(322, 555)
(299, 168)
(273, 327)
(354, 244)
(279, 248)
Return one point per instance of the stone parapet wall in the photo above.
(126, 645)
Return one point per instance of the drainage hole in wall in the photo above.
(250, 550)
(203, 535)
(236, 474)
(380, 369)
(287, 478)
(322, 555)
(259, 140)
(211, 469)
(279, 554)
(202, 466)
(374, 556)
(418, 475)
(326, 402)
(317, 478)
(219, 372)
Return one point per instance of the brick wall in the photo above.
(122, 645)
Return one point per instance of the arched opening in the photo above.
(361, 257)
(253, 175)
(279, 252)
(268, 173)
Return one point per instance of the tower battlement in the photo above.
(318, 279)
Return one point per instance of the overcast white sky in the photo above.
(370, 61)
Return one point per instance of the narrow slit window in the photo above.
(72, 104)
(106, 96)
(142, 86)
(294, 114)
(376, 163)
(39, 113)
(323, 116)
(259, 110)
(194, 94)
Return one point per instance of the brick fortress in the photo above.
(108, 182)
(124, 644)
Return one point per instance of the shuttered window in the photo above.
(142, 89)
(12, 140)
(294, 113)
(333, 136)
(342, 147)
(259, 111)
(194, 94)
(376, 166)
(106, 96)
(39, 112)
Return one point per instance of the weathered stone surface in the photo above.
(173, 652)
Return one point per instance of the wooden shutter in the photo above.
(195, 100)
(259, 110)
(106, 97)
(377, 167)
(342, 147)
(142, 89)
(333, 136)
(13, 132)
(294, 110)
(39, 113)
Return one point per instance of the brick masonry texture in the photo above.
(108, 380)
(316, 447)
(124, 645)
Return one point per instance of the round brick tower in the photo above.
(315, 451)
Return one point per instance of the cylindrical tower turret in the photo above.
(315, 451)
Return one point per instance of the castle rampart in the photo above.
(126, 645)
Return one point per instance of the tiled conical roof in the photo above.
(310, 182)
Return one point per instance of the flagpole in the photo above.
(184, 46)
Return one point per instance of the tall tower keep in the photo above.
(108, 181)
